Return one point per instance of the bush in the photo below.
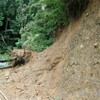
(45, 16)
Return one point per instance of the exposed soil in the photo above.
(68, 70)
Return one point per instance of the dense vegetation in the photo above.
(30, 24)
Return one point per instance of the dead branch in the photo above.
(5, 42)
(3, 95)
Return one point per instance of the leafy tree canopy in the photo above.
(42, 18)
(30, 24)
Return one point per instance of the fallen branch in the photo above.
(3, 95)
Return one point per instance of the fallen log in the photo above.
(17, 61)
(6, 67)
(7, 60)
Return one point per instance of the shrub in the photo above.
(47, 15)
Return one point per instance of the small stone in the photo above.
(12, 81)
(39, 83)
(96, 45)
(87, 38)
(81, 46)
(87, 14)
(6, 77)
(36, 94)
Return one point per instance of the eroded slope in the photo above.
(68, 70)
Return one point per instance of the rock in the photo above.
(96, 45)
(39, 83)
(81, 46)
(6, 77)
(87, 14)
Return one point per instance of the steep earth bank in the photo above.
(68, 70)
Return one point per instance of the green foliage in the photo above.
(30, 24)
(4, 56)
(9, 25)
(1, 18)
(43, 17)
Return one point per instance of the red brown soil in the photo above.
(68, 70)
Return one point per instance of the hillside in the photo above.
(68, 70)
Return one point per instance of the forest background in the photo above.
(31, 24)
